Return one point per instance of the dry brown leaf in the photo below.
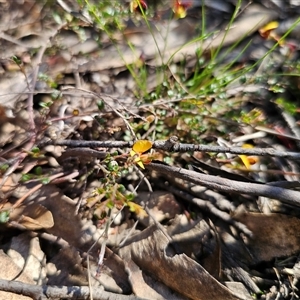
(147, 287)
(239, 289)
(8, 271)
(191, 237)
(150, 251)
(161, 204)
(26, 253)
(78, 233)
(274, 235)
(37, 217)
(10, 183)
(66, 223)
(33, 217)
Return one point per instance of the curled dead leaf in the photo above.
(151, 252)
(33, 217)
(10, 184)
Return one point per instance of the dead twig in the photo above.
(91, 144)
(172, 146)
(210, 207)
(227, 185)
(30, 110)
(83, 152)
(60, 292)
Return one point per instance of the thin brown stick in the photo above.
(34, 189)
(33, 83)
(91, 144)
(208, 206)
(32, 128)
(60, 292)
(172, 146)
(83, 152)
(229, 186)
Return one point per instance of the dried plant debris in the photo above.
(149, 149)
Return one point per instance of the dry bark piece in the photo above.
(149, 250)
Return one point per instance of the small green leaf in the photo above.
(57, 18)
(4, 167)
(16, 60)
(43, 77)
(38, 170)
(110, 204)
(100, 104)
(121, 188)
(4, 216)
(35, 150)
(26, 177)
(286, 105)
(45, 104)
(45, 180)
(113, 166)
(129, 197)
(56, 94)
